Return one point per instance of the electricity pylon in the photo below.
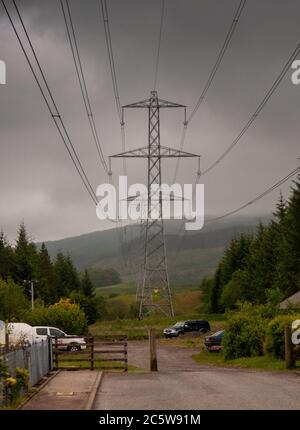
(154, 291)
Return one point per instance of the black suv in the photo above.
(182, 327)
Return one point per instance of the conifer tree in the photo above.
(7, 261)
(87, 286)
(288, 265)
(67, 278)
(260, 267)
(45, 276)
(25, 259)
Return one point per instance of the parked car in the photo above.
(24, 334)
(64, 341)
(214, 341)
(182, 327)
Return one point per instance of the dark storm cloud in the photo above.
(38, 180)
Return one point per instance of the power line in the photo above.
(249, 203)
(182, 224)
(211, 77)
(260, 196)
(159, 42)
(220, 57)
(121, 230)
(260, 107)
(111, 57)
(53, 112)
(113, 74)
(81, 79)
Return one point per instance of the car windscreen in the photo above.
(179, 324)
(55, 332)
(219, 333)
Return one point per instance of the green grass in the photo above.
(65, 363)
(119, 289)
(263, 363)
(129, 288)
(138, 329)
(186, 301)
(120, 298)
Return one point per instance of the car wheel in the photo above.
(74, 348)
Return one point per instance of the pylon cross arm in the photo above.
(165, 152)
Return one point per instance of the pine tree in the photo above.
(45, 276)
(260, 267)
(87, 286)
(288, 251)
(67, 278)
(235, 257)
(6, 258)
(25, 258)
(281, 210)
(216, 291)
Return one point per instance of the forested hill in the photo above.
(261, 268)
(190, 259)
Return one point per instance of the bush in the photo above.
(231, 292)
(64, 315)
(274, 344)
(244, 336)
(13, 303)
(117, 308)
(134, 311)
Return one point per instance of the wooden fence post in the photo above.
(289, 348)
(126, 356)
(6, 341)
(92, 353)
(56, 353)
(153, 354)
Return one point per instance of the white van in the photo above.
(20, 334)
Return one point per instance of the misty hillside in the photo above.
(191, 256)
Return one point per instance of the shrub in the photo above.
(134, 311)
(274, 344)
(117, 308)
(64, 315)
(244, 336)
(13, 303)
(231, 292)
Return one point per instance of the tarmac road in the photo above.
(181, 383)
(170, 358)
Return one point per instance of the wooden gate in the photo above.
(104, 354)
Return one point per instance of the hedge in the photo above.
(274, 344)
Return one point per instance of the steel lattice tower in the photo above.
(154, 290)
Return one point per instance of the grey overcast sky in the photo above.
(38, 182)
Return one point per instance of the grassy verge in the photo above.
(138, 329)
(262, 363)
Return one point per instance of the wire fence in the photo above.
(36, 358)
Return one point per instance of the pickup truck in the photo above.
(64, 341)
